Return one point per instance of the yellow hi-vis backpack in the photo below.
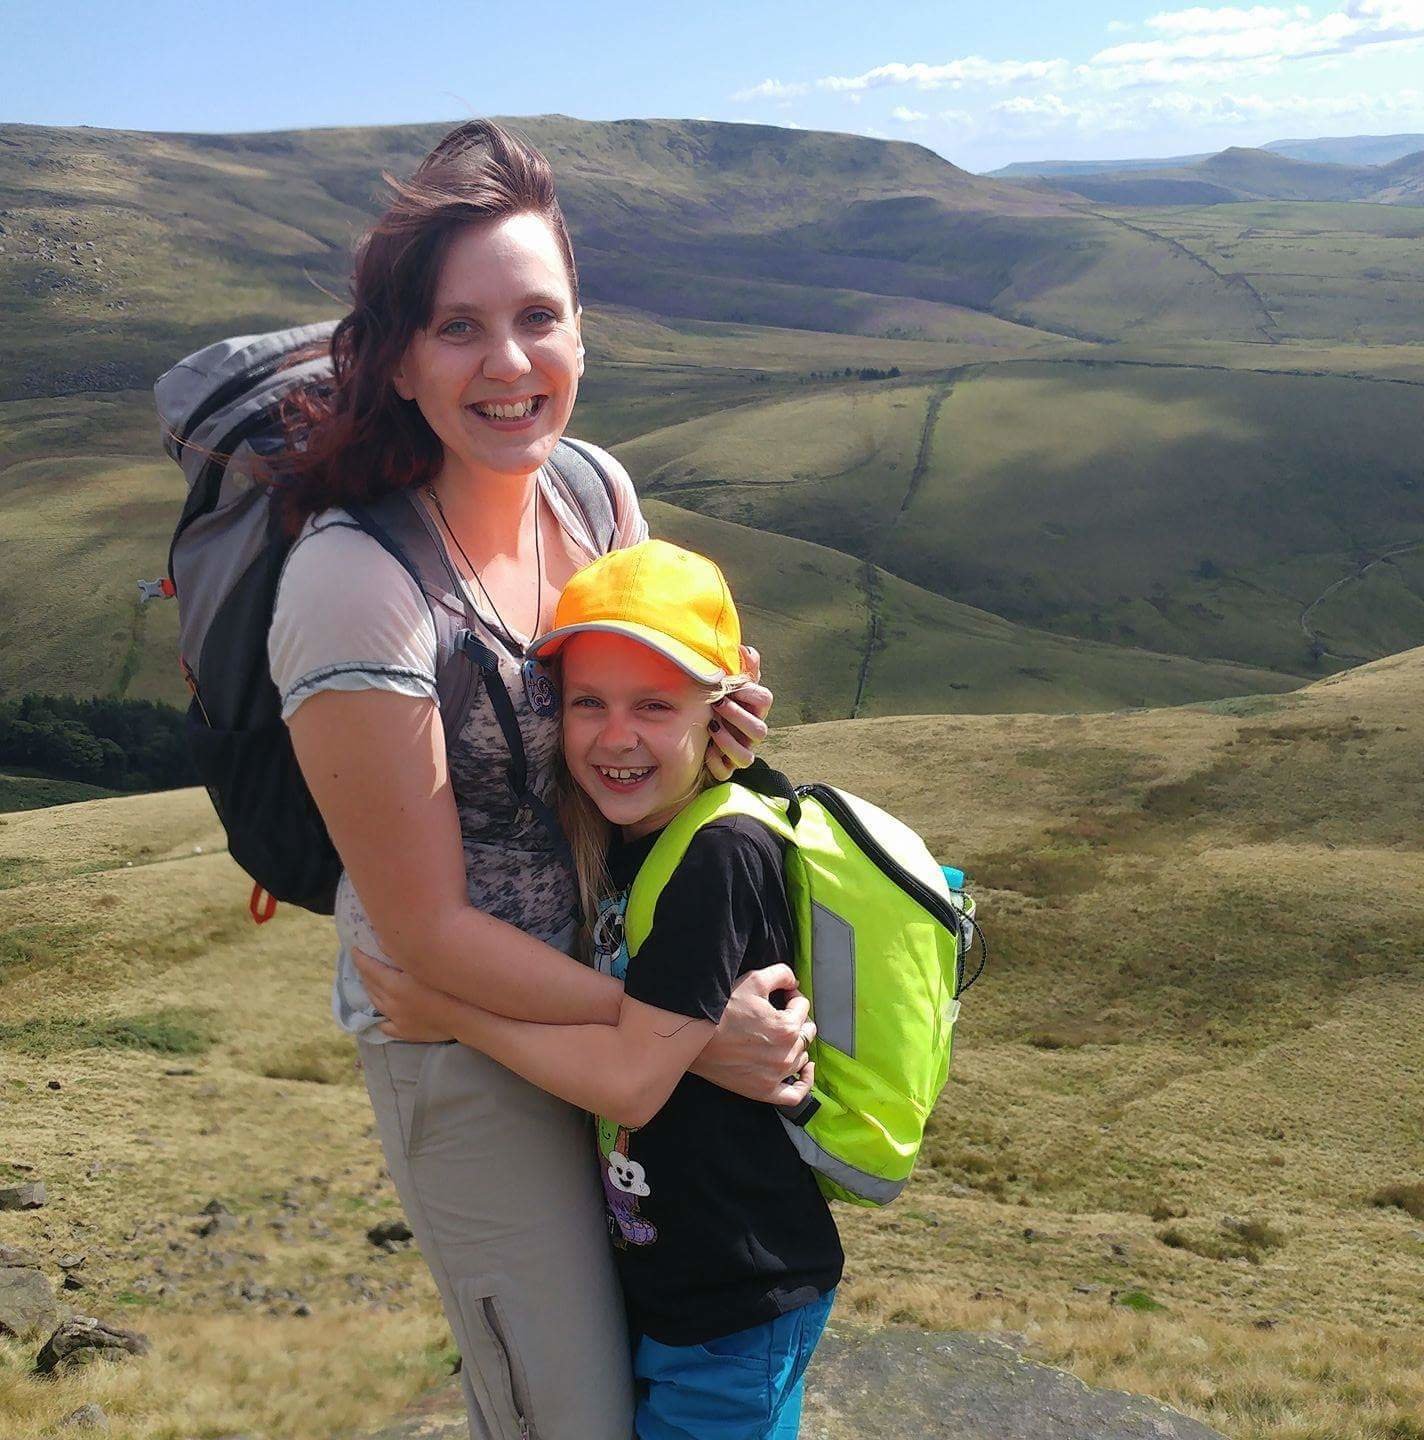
(881, 942)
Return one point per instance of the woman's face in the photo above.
(496, 371)
(635, 729)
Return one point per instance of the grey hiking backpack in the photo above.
(221, 411)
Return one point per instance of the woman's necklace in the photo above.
(479, 579)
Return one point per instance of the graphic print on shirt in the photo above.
(624, 1179)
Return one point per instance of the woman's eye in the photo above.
(656, 705)
(458, 329)
(541, 317)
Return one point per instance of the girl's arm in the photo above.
(375, 764)
(624, 1072)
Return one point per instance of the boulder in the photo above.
(897, 1383)
(82, 1340)
(16, 1257)
(28, 1305)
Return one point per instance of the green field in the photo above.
(1181, 508)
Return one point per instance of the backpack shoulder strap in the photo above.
(589, 486)
(394, 523)
(667, 854)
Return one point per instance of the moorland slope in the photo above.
(1188, 1076)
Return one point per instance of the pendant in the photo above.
(539, 689)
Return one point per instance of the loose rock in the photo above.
(87, 1417)
(16, 1257)
(83, 1340)
(389, 1231)
(30, 1196)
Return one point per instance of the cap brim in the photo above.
(688, 660)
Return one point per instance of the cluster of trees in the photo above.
(121, 744)
(866, 372)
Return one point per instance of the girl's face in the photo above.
(635, 730)
(495, 372)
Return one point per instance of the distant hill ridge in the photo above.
(1240, 174)
(1336, 150)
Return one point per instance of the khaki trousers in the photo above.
(501, 1189)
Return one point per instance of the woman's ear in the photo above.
(578, 331)
(400, 384)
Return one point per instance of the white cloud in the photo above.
(1203, 20)
(1218, 44)
(906, 116)
(970, 70)
(1117, 27)
(1142, 110)
(772, 90)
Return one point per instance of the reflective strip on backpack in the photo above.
(874, 1188)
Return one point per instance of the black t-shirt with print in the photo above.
(717, 1222)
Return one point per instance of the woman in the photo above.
(457, 370)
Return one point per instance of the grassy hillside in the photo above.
(1204, 919)
(837, 639)
(1175, 506)
(122, 249)
(1181, 508)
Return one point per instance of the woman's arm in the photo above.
(624, 1072)
(375, 764)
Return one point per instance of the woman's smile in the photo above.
(508, 414)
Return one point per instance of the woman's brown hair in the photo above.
(358, 439)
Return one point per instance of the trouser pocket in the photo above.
(489, 1349)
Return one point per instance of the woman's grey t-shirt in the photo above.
(349, 617)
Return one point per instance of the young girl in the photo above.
(726, 1249)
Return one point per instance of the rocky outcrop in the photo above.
(901, 1383)
(918, 1385)
(28, 1305)
(82, 1340)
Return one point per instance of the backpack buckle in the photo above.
(163, 589)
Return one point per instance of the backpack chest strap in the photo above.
(667, 854)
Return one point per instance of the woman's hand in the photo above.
(739, 725)
(414, 1010)
(759, 1051)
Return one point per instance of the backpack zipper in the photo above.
(228, 391)
(210, 477)
(943, 910)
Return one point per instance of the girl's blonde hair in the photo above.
(586, 830)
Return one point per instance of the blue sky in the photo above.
(980, 83)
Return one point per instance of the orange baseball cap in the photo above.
(672, 600)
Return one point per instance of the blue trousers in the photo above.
(746, 1386)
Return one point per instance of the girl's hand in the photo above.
(739, 725)
(759, 1051)
(414, 1010)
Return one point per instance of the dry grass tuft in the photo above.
(1406, 1197)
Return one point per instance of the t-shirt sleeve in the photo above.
(630, 528)
(717, 916)
(348, 617)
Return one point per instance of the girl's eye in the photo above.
(658, 705)
(583, 702)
